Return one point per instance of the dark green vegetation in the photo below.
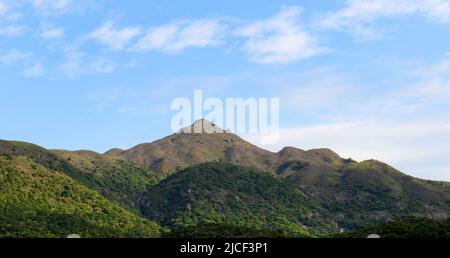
(409, 227)
(234, 195)
(370, 192)
(118, 180)
(204, 185)
(38, 202)
(221, 230)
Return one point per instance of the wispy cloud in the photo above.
(72, 66)
(50, 31)
(3, 8)
(12, 30)
(357, 16)
(24, 61)
(52, 7)
(77, 63)
(37, 70)
(114, 38)
(179, 35)
(103, 65)
(279, 39)
(14, 56)
(405, 125)
(412, 146)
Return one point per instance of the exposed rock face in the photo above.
(202, 126)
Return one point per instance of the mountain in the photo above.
(184, 149)
(359, 194)
(39, 202)
(215, 180)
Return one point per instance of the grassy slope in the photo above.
(38, 202)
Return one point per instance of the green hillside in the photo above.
(228, 194)
(38, 202)
(118, 180)
(409, 227)
(370, 192)
(223, 230)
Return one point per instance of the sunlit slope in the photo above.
(38, 202)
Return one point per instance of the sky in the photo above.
(367, 79)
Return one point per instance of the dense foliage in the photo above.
(409, 227)
(363, 194)
(216, 230)
(233, 195)
(119, 181)
(38, 202)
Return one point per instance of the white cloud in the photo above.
(279, 39)
(358, 15)
(103, 65)
(9, 12)
(52, 6)
(73, 65)
(36, 70)
(22, 60)
(12, 31)
(3, 8)
(409, 146)
(13, 56)
(49, 31)
(114, 38)
(406, 126)
(433, 82)
(180, 35)
(78, 63)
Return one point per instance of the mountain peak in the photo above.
(202, 126)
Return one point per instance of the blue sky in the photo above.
(368, 79)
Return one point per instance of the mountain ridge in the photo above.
(230, 181)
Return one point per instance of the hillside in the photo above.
(234, 195)
(38, 202)
(408, 227)
(355, 197)
(187, 181)
(118, 180)
(371, 192)
(359, 194)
